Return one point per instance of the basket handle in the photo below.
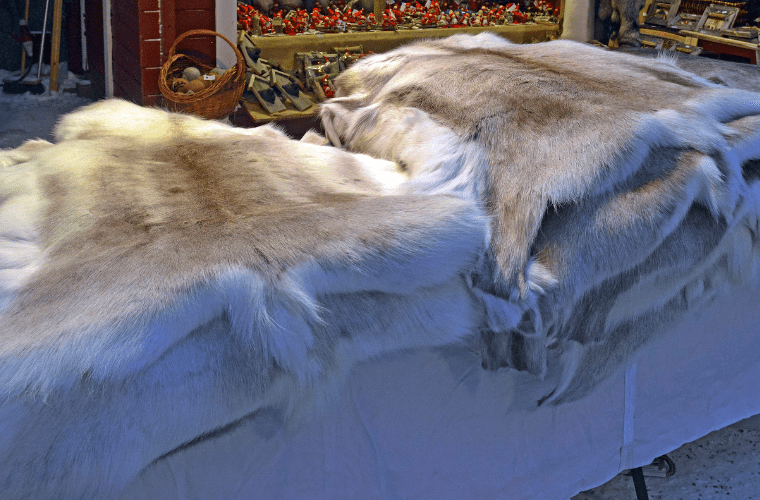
(240, 60)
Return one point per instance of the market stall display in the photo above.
(459, 295)
(339, 17)
(693, 26)
(323, 34)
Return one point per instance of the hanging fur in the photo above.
(623, 16)
(604, 175)
(162, 276)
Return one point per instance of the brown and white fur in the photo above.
(164, 276)
(549, 206)
(624, 17)
(590, 163)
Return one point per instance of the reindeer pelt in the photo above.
(164, 276)
(622, 190)
(552, 207)
(623, 16)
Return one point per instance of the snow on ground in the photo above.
(29, 116)
(724, 464)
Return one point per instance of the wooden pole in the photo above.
(23, 51)
(55, 45)
(379, 8)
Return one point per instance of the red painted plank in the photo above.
(150, 81)
(194, 20)
(150, 25)
(721, 48)
(144, 5)
(127, 62)
(150, 53)
(126, 12)
(127, 75)
(168, 32)
(125, 85)
(203, 49)
(197, 4)
(152, 100)
(93, 22)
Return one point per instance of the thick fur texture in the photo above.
(606, 177)
(725, 73)
(623, 15)
(164, 276)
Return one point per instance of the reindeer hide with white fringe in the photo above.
(621, 190)
(550, 206)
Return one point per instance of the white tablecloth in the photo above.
(431, 425)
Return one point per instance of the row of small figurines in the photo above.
(396, 16)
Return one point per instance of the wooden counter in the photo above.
(724, 45)
(283, 48)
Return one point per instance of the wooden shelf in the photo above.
(283, 48)
(711, 43)
(679, 36)
(723, 45)
(719, 39)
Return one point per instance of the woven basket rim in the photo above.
(234, 78)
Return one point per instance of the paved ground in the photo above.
(725, 464)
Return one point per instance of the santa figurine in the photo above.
(454, 20)
(314, 18)
(361, 21)
(264, 24)
(326, 87)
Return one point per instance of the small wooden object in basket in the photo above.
(216, 101)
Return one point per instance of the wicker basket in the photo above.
(217, 101)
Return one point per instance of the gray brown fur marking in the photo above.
(586, 160)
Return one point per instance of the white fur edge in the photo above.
(113, 118)
(741, 247)
(20, 206)
(683, 127)
(449, 165)
(279, 326)
(314, 137)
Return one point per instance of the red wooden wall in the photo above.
(143, 33)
